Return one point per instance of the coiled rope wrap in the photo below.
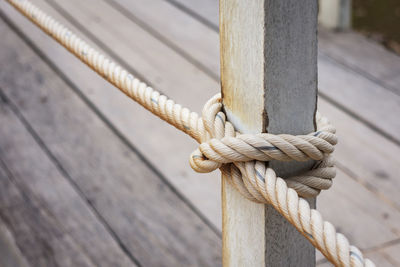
(222, 145)
(241, 157)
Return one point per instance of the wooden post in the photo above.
(335, 14)
(269, 83)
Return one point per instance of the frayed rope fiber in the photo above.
(242, 157)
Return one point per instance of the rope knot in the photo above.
(236, 154)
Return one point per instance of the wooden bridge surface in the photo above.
(89, 178)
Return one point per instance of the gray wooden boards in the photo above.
(48, 219)
(10, 254)
(362, 55)
(359, 183)
(141, 211)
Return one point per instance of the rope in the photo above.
(222, 146)
(241, 157)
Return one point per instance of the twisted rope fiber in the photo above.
(241, 157)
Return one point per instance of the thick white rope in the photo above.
(242, 157)
(222, 145)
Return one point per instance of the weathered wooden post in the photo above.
(269, 83)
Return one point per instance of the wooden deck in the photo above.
(89, 178)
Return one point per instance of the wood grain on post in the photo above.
(269, 84)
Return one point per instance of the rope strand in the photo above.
(241, 157)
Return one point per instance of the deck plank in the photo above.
(206, 191)
(363, 219)
(392, 253)
(191, 38)
(359, 146)
(387, 256)
(144, 212)
(207, 10)
(358, 96)
(363, 55)
(10, 254)
(50, 222)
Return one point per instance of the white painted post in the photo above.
(335, 14)
(269, 83)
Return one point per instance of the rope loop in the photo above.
(222, 147)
